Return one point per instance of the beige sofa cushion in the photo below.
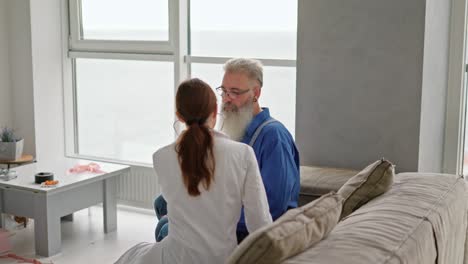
(371, 182)
(292, 233)
(317, 181)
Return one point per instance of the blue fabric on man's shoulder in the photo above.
(278, 160)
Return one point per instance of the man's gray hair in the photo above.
(253, 68)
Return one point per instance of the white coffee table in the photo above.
(21, 196)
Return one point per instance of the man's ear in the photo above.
(257, 92)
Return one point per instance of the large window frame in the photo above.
(456, 93)
(176, 50)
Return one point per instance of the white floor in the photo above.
(84, 241)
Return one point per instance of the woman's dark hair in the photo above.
(195, 103)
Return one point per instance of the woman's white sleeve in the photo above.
(254, 199)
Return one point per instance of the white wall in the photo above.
(16, 88)
(5, 83)
(46, 40)
(434, 86)
(20, 61)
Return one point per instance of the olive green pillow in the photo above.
(371, 182)
(292, 233)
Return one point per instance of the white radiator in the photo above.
(138, 188)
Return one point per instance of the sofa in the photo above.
(421, 218)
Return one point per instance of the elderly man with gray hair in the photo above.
(247, 122)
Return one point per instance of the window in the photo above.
(127, 58)
(248, 30)
(140, 20)
(121, 113)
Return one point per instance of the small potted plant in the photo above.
(11, 147)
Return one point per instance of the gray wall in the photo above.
(360, 82)
(5, 84)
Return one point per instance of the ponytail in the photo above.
(195, 102)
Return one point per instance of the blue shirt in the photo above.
(278, 160)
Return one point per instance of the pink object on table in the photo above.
(91, 167)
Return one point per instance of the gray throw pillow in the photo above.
(292, 233)
(371, 182)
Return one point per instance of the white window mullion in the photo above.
(121, 56)
(179, 10)
(75, 21)
(143, 47)
(68, 30)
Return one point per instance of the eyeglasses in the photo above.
(231, 94)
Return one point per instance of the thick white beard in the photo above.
(235, 122)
